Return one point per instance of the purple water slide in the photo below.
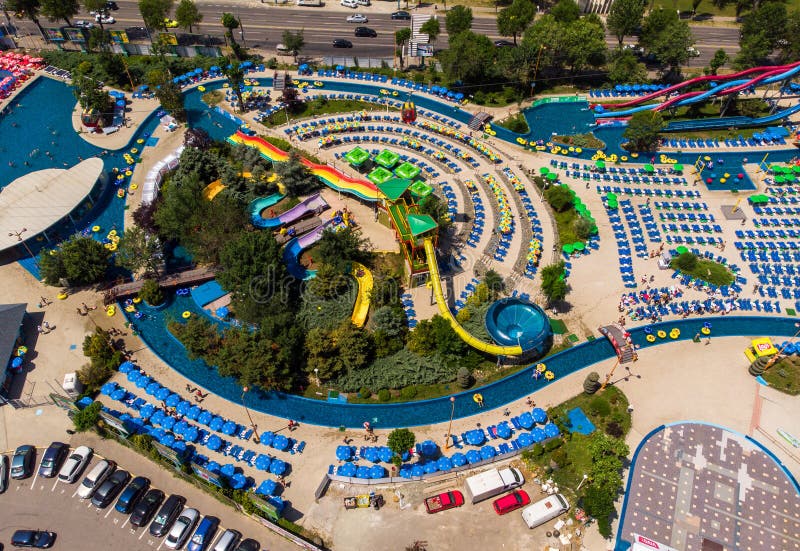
(310, 204)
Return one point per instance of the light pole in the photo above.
(585, 477)
(450, 425)
(18, 235)
(536, 69)
(256, 439)
(775, 357)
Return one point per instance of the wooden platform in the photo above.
(186, 278)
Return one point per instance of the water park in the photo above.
(416, 264)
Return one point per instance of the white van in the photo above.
(314, 3)
(95, 477)
(544, 510)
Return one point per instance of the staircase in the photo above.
(279, 81)
(478, 120)
(417, 20)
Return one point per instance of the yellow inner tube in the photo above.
(22, 350)
(134, 150)
(201, 88)
(137, 300)
(675, 333)
(130, 308)
(394, 93)
(705, 331)
(96, 229)
(549, 375)
(651, 338)
(140, 141)
(662, 334)
(134, 186)
(61, 296)
(111, 310)
(186, 314)
(541, 368)
(478, 398)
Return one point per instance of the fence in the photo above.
(152, 181)
(359, 62)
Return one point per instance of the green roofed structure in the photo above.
(387, 159)
(421, 189)
(407, 170)
(421, 223)
(356, 156)
(379, 176)
(394, 188)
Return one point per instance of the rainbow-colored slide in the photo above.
(363, 189)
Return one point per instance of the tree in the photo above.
(88, 417)
(90, 94)
(494, 283)
(790, 44)
(720, 58)
(151, 292)
(624, 67)
(584, 43)
(235, 75)
(294, 42)
(566, 11)
(103, 360)
(339, 248)
(401, 36)
(458, 20)
(296, 177)
(514, 19)
(171, 98)
(468, 58)
(667, 38)
(231, 23)
(592, 383)
(401, 440)
(56, 10)
(137, 250)
(187, 14)
(763, 30)
(28, 8)
(431, 28)
(79, 260)
(463, 378)
(643, 131)
(624, 17)
(559, 198)
(554, 287)
(154, 12)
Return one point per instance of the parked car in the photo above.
(504, 44)
(53, 457)
(95, 478)
(204, 534)
(342, 43)
(182, 529)
(635, 48)
(249, 545)
(167, 515)
(105, 19)
(132, 494)
(511, 502)
(401, 15)
(365, 31)
(693, 52)
(83, 24)
(444, 501)
(109, 489)
(40, 539)
(363, 2)
(146, 507)
(545, 510)
(349, 4)
(22, 462)
(74, 465)
(227, 541)
(357, 18)
(3, 473)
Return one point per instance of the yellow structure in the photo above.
(361, 307)
(212, 189)
(760, 348)
(444, 310)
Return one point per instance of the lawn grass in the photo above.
(282, 206)
(586, 141)
(707, 270)
(317, 109)
(785, 375)
(515, 123)
(565, 224)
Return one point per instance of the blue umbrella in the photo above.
(205, 418)
(214, 442)
(430, 467)
(180, 427)
(158, 434)
(162, 394)
(405, 471)
(143, 381)
(539, 415)
(344, 453)
(134, 375)
(538, 435)
(385, 454)
(212, 466)
(526, 420)
(216, 423)
(280, 442)
(119, 394)
(267, 487)
(551, 430)
(362, 472)
(371, 454)
(229, 428)
(228, 470)
(147, 411)
(238, 481)
(475, 437)
(376, 471)
(194, 412)
(168, 439)
(183, 407)
(444, 464)
(179, 446)
(473, 456)
(262, 462)
(191, 434)
(168, 422)
(125, 367)
(428, 448)
(173, 400)
(277, 467)
(458, 459)
(16, 363)
(107, 388)
(503, 430)
(487, 452)
(214, 68)
(348, 470)
(222, 312)
(157, 417)
(152, 388)
(417, 470)
(525, 439)
(267, 437)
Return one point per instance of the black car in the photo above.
(132, 494)
(39, 539)
(145, 509)
(111, 5)
(342, 43)
(365, 31)
(109, 489)
(249, 545)
(402, 15)
(53, 457)
(22, 462)
(167, 515)
(504, 44)
(3, 473)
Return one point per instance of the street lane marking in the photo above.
(109, 512)
(76, 491)
(35, 476)
(53, 489)
(127, 518)
(160, 544)
(142, 534)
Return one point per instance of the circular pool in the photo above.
(513, 320)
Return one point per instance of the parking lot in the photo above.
(49, 504)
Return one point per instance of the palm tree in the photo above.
(235, 76)
(402, 36)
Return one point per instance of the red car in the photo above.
(444, 501)
(511, 502)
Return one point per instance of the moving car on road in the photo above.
(145, 509)
(40, 539)
(52, 459)
(132, 494)
(95, 478)
(109, 489)
(357, 18)
(182, 529)
(511, 502)
(104, 19)
(342, 43)
(365, 31)
(504, 44)
(74, 465)
(401, 15)
(83, 24)
(22, 462)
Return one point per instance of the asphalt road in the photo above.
(264, 25)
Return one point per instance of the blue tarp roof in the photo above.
(208, 292)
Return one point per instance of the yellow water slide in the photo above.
(212, 189)
(361, 307)
(444, 310)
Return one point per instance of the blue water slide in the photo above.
(727, 122)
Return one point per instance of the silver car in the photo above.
(74, 465)
(182, 529)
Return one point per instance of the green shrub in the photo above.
(584, 227)
(151, 292)
(408, 393)
(553, 444)
(686, 261)
(384, 395)
(364, 393)
(538, 450)
(600, 406)
(559, 198)
(88, 417)
(463, 378)
(592, 383)
(614, 429)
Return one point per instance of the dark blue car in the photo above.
(39, 539)
(131, 495)
(203, 535)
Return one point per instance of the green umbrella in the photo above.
(579, 246)
(796, 169)
(611, 195)
(678, 167)
(600, 164)
(779, 179)
(552, 176)
(649, 168)
(577, 201)
(544, 170)
(612, 203)
(568, 248)
(682, 249)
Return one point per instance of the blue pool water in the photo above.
(578, 422)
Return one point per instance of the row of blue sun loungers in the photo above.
(648, 192)
(623, 249)
(625, 179)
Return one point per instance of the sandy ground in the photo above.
(135, 112)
